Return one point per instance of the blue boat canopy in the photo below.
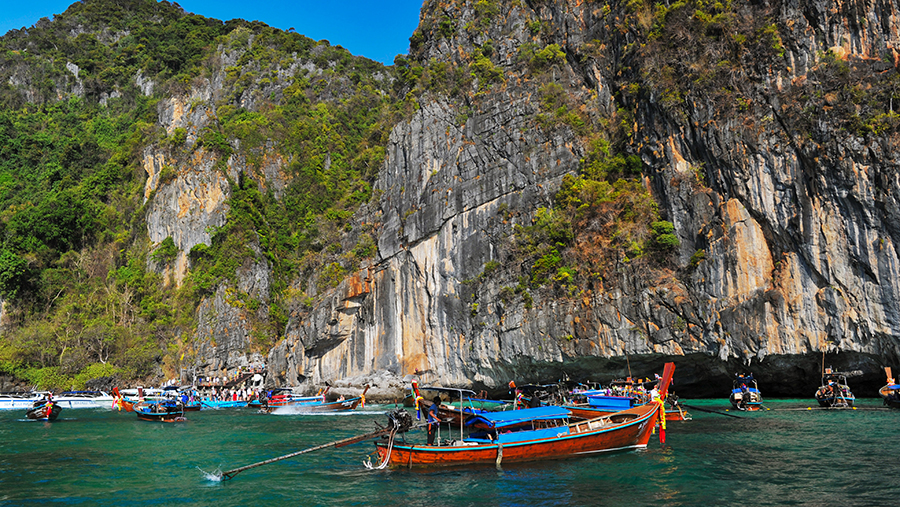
(498, 420)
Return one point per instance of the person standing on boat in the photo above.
(434, 419)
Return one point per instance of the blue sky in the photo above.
(375, 29)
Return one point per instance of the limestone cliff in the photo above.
(793, 217)
(765, 132)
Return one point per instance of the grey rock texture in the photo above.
(799, 238)
(185, 208)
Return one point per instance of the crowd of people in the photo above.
(232, 394)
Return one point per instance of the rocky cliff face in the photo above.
(797, 225)
(763, 135)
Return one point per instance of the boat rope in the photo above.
(387, 458)
(499, 454)
(694, 407)
(400, 421)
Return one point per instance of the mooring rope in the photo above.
(387, 458)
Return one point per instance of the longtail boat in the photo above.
(339, 405)
(125, 399)
(284, 396)
(621, 395)
(890, 393)
(161, 411)
(745, 393)
(549, 436)
(674, 412)
(449, 413)
(216, 404)
(187, 395)
(44, 410)
(316, 404)
(834, 392)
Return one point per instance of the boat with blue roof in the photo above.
(533, 434)
(620, 395)
(169, 410)
(745, 393)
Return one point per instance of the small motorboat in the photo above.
(84, 399)
(745, 393)
(44, 410)
(834, 391)
(170, 410)
(20, 400)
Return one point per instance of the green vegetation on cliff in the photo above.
(75, 119)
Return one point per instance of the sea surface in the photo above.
(786, 455)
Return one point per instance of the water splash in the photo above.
(214, 476)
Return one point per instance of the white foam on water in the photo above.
(215, 476)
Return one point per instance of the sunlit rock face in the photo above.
(797, 228)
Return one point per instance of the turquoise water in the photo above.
(778, 457)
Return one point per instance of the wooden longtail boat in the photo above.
(162, 411)
(453, 415)
(890, 393)
(673, 412)
(622, 430)
(44, 410)
(622, 395)
(313, 403)
(834, 392)
(187, 395)
(216, 404)
(628, 429)
(284, 396)
(745, 393)
(337, 405)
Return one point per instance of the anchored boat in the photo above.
(44, 410)
(284, 397)
(160, 411)
(621, 395)
(20, 400)
(84, 399)
(745, 393)
(539, 433)
(834, 391)
(890, 393)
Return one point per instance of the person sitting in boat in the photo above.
(745, 395)
(434, 419)
(535, 401)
